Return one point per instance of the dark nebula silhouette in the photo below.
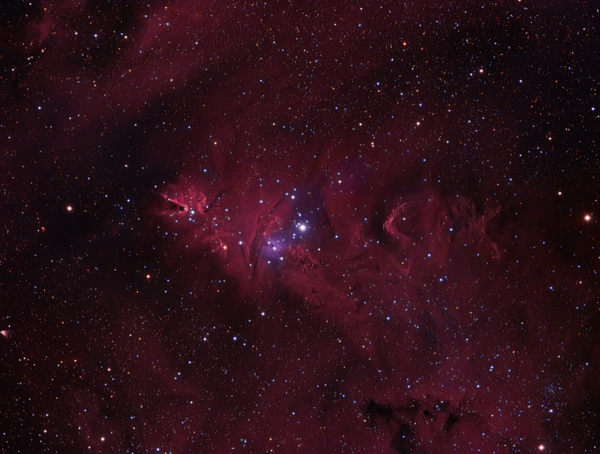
(299, 227)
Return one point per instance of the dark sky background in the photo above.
(299, 227)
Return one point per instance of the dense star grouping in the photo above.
(299, 227)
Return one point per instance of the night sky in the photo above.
(299, 227)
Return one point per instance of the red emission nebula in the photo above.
(299, 227)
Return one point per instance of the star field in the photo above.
(299, 227)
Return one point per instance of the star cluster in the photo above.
(299, 227)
